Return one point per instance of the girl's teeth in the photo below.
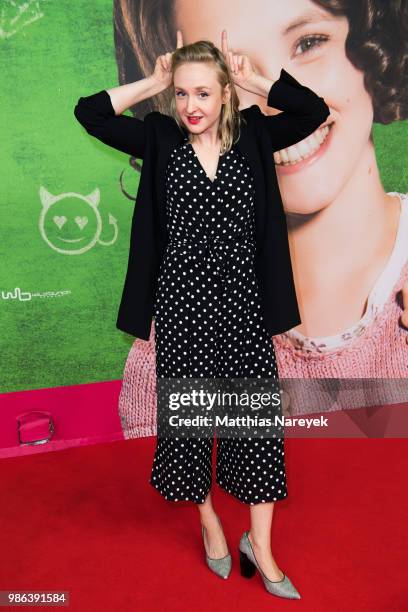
(302, 149)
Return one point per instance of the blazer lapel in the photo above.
(168, 141)
(247, 145)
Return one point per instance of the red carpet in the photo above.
(85, 520)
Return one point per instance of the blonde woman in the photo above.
(210, 261)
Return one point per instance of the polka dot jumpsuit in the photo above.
(208, 323)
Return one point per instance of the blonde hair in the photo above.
(230, 120)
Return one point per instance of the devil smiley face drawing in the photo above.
(70, 223)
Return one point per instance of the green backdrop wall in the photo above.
(59, 299)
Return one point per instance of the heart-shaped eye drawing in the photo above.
(81, 221)
(59, 221)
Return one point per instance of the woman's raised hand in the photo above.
(240, 65)
(162, 69)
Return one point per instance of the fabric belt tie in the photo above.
(216, 250)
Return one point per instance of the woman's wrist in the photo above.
(125, 96)
(258, 84)
(156, 85)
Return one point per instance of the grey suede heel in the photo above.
(221, 567)
(249, 565)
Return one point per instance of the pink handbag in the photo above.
(35, 427)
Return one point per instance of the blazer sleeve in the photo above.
(97, 115)
(303, 111)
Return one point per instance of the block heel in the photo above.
(246, 566)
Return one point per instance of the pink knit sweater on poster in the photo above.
(375, 347)
(378, 350)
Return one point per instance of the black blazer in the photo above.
(153, 139)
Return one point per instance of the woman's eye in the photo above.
(181, 93)
(309, 43)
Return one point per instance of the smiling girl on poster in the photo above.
(343, 190)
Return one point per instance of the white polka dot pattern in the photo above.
(208, 324)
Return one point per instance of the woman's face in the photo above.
(309, 43)
(198, 96)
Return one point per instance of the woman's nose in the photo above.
(190, 105)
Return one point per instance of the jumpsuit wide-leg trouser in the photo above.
(208, 324)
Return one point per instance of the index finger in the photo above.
(179, 39)
(224, 43)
